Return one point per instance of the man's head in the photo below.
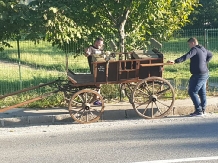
(99, 42)
(192, 42)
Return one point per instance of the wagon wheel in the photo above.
(81, 106)
(153, 97)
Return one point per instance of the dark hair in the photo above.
(99, 39)
(193, 39)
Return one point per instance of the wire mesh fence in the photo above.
(41, 62)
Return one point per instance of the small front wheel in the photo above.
(86, 106)
(153, 97)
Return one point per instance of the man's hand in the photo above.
(87, 52)
(172, 62)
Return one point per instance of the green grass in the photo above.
(42, 55)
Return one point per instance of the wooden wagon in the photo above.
(139, 75)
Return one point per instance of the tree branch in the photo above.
(137, 26)
(110, 15)
(124, 17)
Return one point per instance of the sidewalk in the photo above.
(116, 111)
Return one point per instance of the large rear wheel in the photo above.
(153, 97)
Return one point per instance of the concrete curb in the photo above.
(181, 110)
(34, 120)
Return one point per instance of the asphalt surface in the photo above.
(112, 111)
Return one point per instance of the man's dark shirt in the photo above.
(199, 57)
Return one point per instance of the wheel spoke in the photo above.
(87, 117)
(78, 116)
(75, 102)
(93, 97)
(162, 103)
(141, 96)
(88, 97)
(163, 91)
(158, 108)
(91, 113)
(159, 89)
(79, 111)
(95, 110)
(152, 88)
(85, 97)
(81, 98)
(75, 107)
(165, 97)
(140, 90)
(147, 88)
(140, 104)
(152, 109)
(146, 108)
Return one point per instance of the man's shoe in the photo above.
(97, 103)
(196, 114)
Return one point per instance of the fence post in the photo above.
(205, 38)
(18, 52)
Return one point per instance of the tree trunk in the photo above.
(122, 31)
(122, 38)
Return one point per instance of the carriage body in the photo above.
(140, 77)
(120, 71)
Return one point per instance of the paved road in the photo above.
(121, 141)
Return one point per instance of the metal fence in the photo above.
(37, 63)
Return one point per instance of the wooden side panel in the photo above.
(148, 71)
(100, 70)
(113, 71)
(128, 69)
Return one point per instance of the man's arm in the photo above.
(87, 51)
(188, 55)
(209, 56)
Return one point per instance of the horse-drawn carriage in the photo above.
(139, 75)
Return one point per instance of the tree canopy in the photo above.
(204, 15)
(14, 18)
(64, 22)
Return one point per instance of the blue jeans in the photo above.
(197, 90)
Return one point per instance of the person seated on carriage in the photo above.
(96, 48)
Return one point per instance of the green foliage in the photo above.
(110, 91)
(59, 27)
(204, 15)
(56, 100)
(136, 19)
(14, 18)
